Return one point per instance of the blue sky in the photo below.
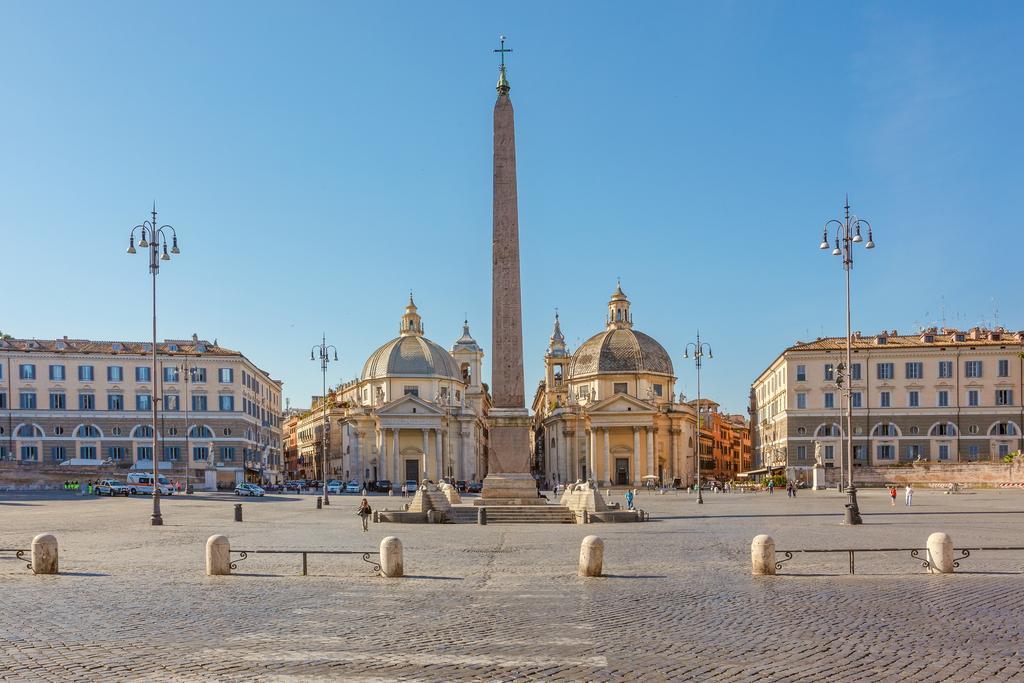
(319, 160)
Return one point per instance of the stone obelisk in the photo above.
(508, 479)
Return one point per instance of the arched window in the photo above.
(828, 430)
(943, 429)
(87, 432)
(1002, 429)
(200, 432)
(885, 429)
(28, 432)
(142, 432)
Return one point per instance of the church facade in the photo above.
(608, 412)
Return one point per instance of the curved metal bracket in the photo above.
(916, 554)
(376, 565)
(789, 556)
(242, 555)
(964, 554)
(21, 556)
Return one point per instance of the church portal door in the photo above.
(622, 471)
(412, 470)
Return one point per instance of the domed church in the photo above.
(416, 412)
(607, 412)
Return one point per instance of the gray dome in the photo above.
(410, 355)
(621, 350)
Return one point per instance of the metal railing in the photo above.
(244, 554)
(915, 553)
(19, 553)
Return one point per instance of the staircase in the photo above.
(529, 514)
(462, 514)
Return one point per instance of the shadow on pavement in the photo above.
(434, 578)
(634, 576)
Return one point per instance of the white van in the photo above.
(142, 483)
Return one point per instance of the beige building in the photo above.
(417, 411)
(66, 399)
(608, 411)
(941, 395)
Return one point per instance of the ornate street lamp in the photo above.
(699, 349)
(151, 236)
(847, 234)
(323, 349)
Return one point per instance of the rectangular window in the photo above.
(198, 374)
(855, 371)
(620, 387)
(3, 400)
(27, 400)
(199, 403)
(411, 391)
(943, 451)
(29, 453)
(1004, 397)
(171, 453)
(227, 453)
(856, 400)
(87, 452)
(972, 368)
(1004, 368)
(200, 453)
(115, 373)
(885, 400)
(58, 401)
(801, 400)
(884, 452)
(143, 402)
(912, 451)
(171, 374)
(801, 373)
(115, 401)
(657, 390)
(972, 397)
(87, 401)
(85, 373)
(830, 399)
(58, 453)
(830, 372)
(142, 373)
(143, 452)
(117, 452)
(915, 370)
(27, 371)
(945, 369)
(1004, 450)
(227, 403)
(57, 373)
(172, 402)
(973, 451)
(913, 399)
(859, 453)
(226, 375)
(943, 399)
(801, 452)
(828, 453)
(885, 371)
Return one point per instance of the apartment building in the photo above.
(942, 395)
(65, 399)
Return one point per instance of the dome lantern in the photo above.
(619, 316)
(411, 321)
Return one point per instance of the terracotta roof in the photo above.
(169, 347)
(925, 339)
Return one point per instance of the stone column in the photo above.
(650, 450)
(426, 454)
(357, 461)
(607, 455)
(399, 475)
(379, 443)
(636, 457)
(673, 439)
(438, 455)
(592, 454)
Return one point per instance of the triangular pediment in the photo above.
(621, 403)
(408, 405)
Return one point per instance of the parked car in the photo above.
(474, 487)
(244, 489)
(462, 486)
(353, 487)
(381, 486)
(110, 487)
(334, 487)
(409, 486)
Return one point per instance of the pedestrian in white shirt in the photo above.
(909, 492)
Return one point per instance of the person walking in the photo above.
(364, 513)
(789, 489)
(892, 494)
(629, 499)
(909, 493)
(771, 486)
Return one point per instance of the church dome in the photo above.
(620, 348)
(411, 354)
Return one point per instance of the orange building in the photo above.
(725, 446)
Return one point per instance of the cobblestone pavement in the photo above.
(502, 602)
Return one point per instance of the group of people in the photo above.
(75, 485)
(908, 494)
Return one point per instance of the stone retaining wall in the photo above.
(978, 474)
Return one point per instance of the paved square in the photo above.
(502, 602)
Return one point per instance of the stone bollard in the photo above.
(586, 516)
(392, 564)
(376, 516)
(319, 503)
(940, 553)
(238, 512)
(44, 554)
(481, 516)
(762, 556)
(591, 556)
(431, 516)
(218, 556)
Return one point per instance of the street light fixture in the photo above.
(156, 234)
(699, 349)
(848, 234)
(324, 351)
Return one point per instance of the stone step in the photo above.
(501, 514)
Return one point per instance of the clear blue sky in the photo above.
(319, 160)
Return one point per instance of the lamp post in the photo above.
(151, 236)
(324, 350)
(847, 234)
(699, 349)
